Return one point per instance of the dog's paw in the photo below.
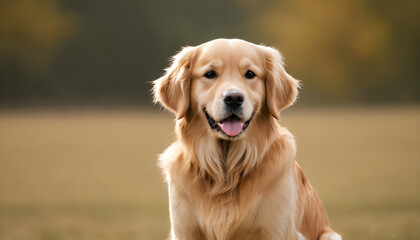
(330, 236)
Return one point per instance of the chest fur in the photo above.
(221, 216)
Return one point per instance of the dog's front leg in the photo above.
(184, 224)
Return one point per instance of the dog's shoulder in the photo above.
(286, 140)
(170, 156)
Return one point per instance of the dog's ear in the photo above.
(172, 90)
(281, 88)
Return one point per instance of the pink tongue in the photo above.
(231, 127)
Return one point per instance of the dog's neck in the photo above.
(223, 163)
(224, 148)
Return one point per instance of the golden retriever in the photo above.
(232, 173)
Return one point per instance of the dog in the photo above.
(232, 173)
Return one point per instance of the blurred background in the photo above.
(79, 135)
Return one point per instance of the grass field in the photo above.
(92, 174)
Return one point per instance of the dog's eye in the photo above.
(250, 74)
(210, 74)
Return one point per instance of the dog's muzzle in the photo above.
(231, 126)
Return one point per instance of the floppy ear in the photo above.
(172, 90)
(281, 88)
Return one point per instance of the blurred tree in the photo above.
(107, 52)
(347, 51)
(31, 35)
(119, 48)
(32, 30)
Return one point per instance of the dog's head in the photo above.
(226, 83)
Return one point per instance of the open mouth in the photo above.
(231, 126)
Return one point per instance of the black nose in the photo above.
(233, 98)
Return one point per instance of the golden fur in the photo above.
(243, 187)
